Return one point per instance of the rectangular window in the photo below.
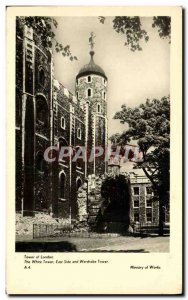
(98, 108)
(149, 217)
(148, 190)
(79, 133)
(136, 217)
(148, 202)
(136, 190)
(136, 203)
(89, 79)
(62, 122)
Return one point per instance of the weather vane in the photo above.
(91, 40)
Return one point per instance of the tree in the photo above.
(149, 125)
(44, 28)
(132, 29)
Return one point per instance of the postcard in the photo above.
(94, 128)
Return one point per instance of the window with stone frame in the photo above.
(79, 160)
(136, 190)
(63, 143)
(98, 108)
(136, 203)
(42, 116)
(79, 133)
(40, 163)
(41, 76)
(89, 92)
(63, 123)
(136, 217)
(148, 190)
(149, 202)
(62, 180)
(148, 215)
(78, 184)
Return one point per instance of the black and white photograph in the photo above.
(94, 145)
(92, 131)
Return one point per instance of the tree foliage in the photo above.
(132, 29)
(44, 28)
(149, 125)
(163, 24)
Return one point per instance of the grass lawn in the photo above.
(99, 244)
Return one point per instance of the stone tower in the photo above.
(91, 92)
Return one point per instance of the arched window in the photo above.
(62, 143)
(89, 92)
(104, 95)
(40, 163)
(42, 115)
(41, 76)
(78, 183)
(98, 108)
(62, 179)
(63, 122)
(89, 79)
(77, 95)
(79, 160)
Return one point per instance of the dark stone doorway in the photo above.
(114, 213)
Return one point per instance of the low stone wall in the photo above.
(24, 225)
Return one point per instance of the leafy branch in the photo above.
(44, 28)
(133, 31)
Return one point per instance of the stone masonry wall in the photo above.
(82, 203)
(24, 225)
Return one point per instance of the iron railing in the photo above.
(67, 230)
(53, 230)
(150, 228)
(47, 230)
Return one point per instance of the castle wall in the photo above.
(66, 132)
(33, 113)
(18, 121)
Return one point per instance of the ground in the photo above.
(129, 244)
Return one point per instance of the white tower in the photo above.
(91, 91)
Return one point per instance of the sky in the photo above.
(132, 76)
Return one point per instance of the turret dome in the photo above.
(91, 68)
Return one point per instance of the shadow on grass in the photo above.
(121, 251)
(63, 246)
(146, 235)
(154, 236)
